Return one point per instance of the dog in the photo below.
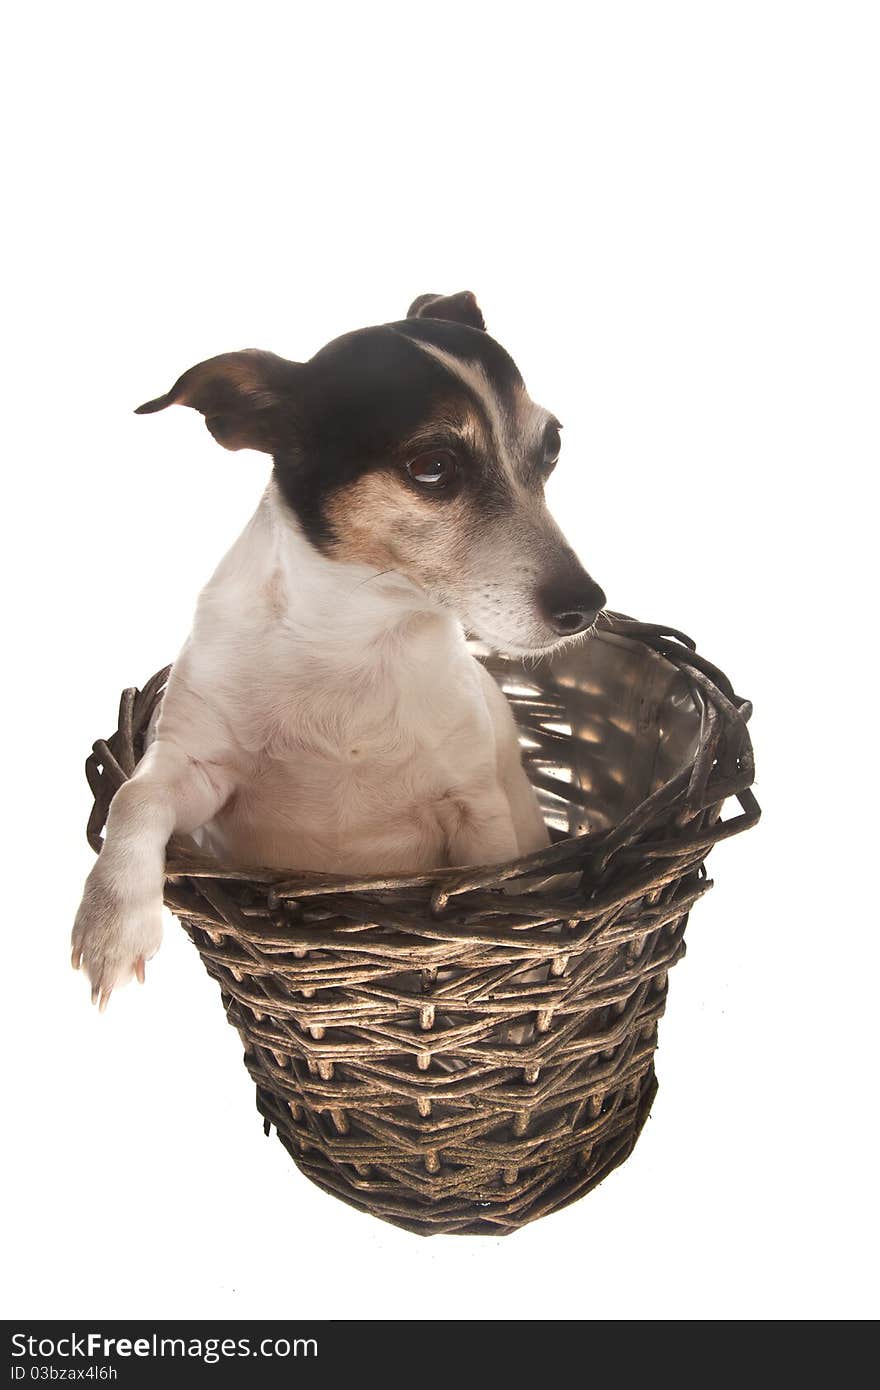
(325, 712)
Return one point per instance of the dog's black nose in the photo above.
(571, 607)
(567, 624)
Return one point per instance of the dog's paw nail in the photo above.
(76, 958)
(140, 970)
(104, 1000)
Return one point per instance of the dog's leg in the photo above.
(481, 830)
(119, 923)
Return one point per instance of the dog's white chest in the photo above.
(349, 791)
(344, 774)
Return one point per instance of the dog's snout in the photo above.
(571, 606)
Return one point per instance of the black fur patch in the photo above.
(363, 398)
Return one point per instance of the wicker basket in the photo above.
(471, 1049)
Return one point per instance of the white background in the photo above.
(670, 216)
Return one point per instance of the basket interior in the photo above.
(602, 725)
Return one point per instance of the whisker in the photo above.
(603, 618)
(377, 575)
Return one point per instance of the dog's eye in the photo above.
(552, 447)
(436, 469)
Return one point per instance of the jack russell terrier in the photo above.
(325, 712)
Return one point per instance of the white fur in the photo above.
(320, 716)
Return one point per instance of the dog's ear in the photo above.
(246, 397)
(457, 308)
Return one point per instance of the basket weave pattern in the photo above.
(467, 1050)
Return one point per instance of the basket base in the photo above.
(536, 1195)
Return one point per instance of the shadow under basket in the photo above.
(469, 1049)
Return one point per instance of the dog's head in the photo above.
(414, 447)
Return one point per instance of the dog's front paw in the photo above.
(114, 936)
